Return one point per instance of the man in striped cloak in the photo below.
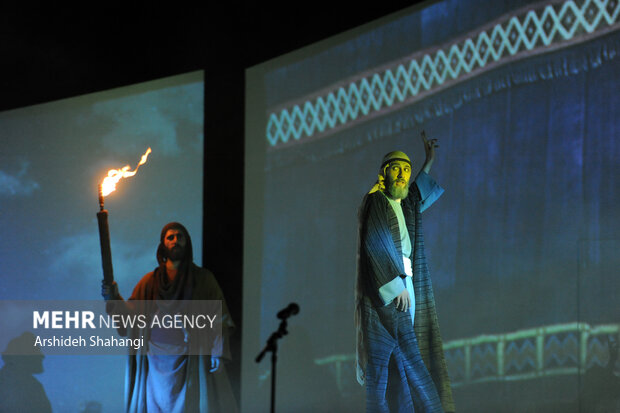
(399, 348)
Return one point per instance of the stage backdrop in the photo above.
(52, 159)
(524, 98)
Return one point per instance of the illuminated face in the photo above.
(175, 241)
(397, 174)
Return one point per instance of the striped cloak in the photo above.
(385, 336)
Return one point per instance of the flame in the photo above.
(114, 175)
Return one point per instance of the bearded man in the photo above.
(400, 356)
(166, 378)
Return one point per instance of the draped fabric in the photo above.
(385, 335)
(203, 391)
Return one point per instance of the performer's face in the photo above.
(397, 174)
(175, 241)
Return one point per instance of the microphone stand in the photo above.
(272, 346)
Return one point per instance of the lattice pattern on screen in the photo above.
(527, 354)
(545, 27)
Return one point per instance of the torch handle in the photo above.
(106, 252)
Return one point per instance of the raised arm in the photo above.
(429, 150)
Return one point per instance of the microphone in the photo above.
(291, 309)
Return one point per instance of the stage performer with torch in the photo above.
(164, 377)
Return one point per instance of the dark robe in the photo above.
(203, 391)
(388, 346)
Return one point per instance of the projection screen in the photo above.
(523, 98)
(53, 158)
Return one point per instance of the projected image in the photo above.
(520, 248)
(54, 157)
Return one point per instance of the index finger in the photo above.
(423, 134)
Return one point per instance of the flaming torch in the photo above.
(105, 188)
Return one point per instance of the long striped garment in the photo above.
(402, 366)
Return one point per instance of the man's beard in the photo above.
(397, 192)
(175, 253)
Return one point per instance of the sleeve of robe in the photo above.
(428, 190)
(142, 291)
